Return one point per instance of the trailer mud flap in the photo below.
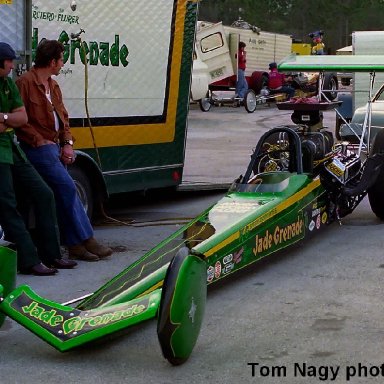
(65, 327)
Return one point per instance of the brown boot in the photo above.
(91, 245)
(79, 252)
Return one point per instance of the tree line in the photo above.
(337, 18)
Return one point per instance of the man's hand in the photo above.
(3, 127)
(67, 154)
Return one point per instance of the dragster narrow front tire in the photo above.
(182, 306)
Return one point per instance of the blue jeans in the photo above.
(241, 85)
(288, 90)
(74, 223)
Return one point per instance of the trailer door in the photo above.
(211, 42)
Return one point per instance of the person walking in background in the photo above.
(48, 143)
(277, 82)
(241, 84)
(15, 170)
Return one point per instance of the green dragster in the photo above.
(297, 182)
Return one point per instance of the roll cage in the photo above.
(335, 63)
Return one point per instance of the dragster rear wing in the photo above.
(332, 63)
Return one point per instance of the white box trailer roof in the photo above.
(366, 43)
(219, 52)
(262, 48)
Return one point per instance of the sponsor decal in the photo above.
(324, 218)
(227, 259)
(217, 269)
(336, 167)
(228, 268)
(53, 318)
(237, 256)
(315, 212)
(236, 206)
(210, 273)
(318, 222)
(278, 236)
(311, 226)
(259, 220)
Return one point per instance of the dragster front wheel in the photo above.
(182, 306)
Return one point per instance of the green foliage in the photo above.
(337, 18)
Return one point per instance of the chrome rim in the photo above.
(251, 101)
(205, 104)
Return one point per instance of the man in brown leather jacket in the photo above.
(48, 144)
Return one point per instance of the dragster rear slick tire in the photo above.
(8, 267)
(375, 192)
(182, 306)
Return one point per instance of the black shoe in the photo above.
(63, 264)
(39, 270)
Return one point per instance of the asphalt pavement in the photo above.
(310, 314)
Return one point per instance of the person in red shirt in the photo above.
(277, 82)
(241, 84)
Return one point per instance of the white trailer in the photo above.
(366, 43)
(216, 47)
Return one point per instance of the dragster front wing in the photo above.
(65, 327)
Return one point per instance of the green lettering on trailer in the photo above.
(94, 52)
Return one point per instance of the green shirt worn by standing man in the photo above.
(43, 257)
(9, 100)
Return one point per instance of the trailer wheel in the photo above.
(331, 83)
(182, 306)
(83, 187)
(375, 193)
(250, 101)
(205, 104)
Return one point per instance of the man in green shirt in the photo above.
(42, 258)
